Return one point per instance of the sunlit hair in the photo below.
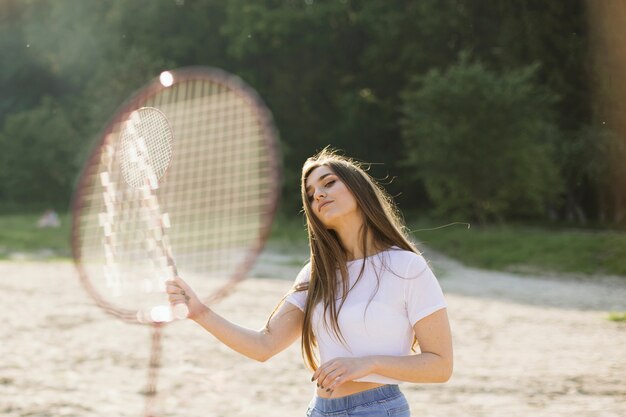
(381, 221)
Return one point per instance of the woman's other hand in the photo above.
(337, 371)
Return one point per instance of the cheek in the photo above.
(313, 211)
(348, 199)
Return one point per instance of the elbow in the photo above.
(445, 377)
(262, 357)
(447, 369)
(264, 350)
(441, 371)
(262, 354)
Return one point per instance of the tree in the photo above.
(38, 159)
(482, 142)
(24, 77)
(593, 159)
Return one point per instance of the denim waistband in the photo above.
(331, 405)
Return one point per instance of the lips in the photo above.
(325, 203)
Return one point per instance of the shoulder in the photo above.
(305, 273)
(298, 294)
(407, 263)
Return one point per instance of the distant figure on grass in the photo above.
(49, 218)
(361, 305)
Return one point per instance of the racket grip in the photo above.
(172, 265)
(179, 311)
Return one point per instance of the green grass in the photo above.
(619, 317)
(529, 249)
(512, 248)
(515, 248)
(19, 233)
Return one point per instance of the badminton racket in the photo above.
(184, 179)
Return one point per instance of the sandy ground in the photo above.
(524, 346)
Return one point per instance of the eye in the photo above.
(330, 183)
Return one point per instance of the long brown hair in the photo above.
(381, 221)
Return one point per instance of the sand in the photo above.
(524, 346)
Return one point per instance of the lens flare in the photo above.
(166, 78)
(161, 314)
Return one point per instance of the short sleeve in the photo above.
(423, 294)
(298, 298)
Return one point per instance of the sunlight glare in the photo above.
(166, 78)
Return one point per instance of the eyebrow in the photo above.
(319, 179)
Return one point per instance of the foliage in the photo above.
(38, 159)
(24, 78)
(331, 71)
(482, 142)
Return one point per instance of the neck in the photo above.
(350, 235)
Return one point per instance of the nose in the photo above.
(319, 194)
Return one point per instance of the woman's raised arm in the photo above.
(282, 330)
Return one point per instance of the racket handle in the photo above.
(172, 264)
(179, 311)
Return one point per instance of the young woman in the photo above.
(362, 304)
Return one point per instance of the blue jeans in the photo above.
(385, 401)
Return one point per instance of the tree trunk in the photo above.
(607, 49)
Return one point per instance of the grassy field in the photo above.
(19, 235)
(529, 249)
(21, 238)
(512, 248)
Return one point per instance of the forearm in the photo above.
(422, 367)
(248, 342)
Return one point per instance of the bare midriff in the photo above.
(348, 388)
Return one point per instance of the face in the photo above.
(331, 201)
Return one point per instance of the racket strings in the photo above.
(213, 205)
(146, 147)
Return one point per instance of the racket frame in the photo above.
(136, 101)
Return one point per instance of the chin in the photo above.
(328, 221)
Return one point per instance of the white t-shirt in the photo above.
(408, 291)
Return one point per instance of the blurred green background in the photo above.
(504, 115)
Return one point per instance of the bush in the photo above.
(38, 158)
(481, 142)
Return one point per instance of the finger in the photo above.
(179, 281)
(178, 303)
(337, 381)
(172, 289)
(177, 284)
(329, 378)
(176, 298)
(173, 299)
(320, 371)
(178, 292)
(323, 376)
(316, 374)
